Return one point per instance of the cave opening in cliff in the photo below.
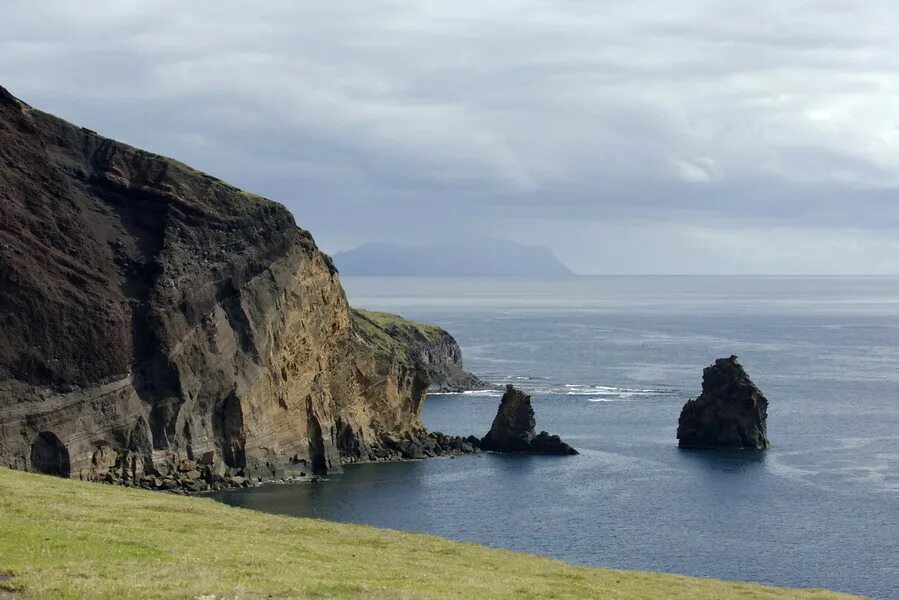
(49, 456)
(227, 423)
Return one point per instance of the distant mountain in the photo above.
(479, 258)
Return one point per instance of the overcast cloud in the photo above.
(631, 137)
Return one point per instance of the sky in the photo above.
(690, 137)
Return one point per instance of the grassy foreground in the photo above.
(69, 539)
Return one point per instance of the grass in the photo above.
(383, 319)
(70, 539)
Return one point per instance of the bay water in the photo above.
(609, 362)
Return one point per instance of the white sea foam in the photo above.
(593, 393)
(604, 390)
(489, 392)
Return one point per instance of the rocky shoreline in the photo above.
(189, 476)
(730, 413)
(512, 431)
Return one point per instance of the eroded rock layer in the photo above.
(151, 314)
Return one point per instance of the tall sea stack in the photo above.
(731, 412)
(513, 429)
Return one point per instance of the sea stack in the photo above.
(513, 429)
(731, 412)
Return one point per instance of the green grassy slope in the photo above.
(69, 539)
(384, 319)
(373, 326)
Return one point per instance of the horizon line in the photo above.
(573, 274)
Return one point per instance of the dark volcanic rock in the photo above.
(544, 443)
(161, 327)
(730, 413)
(513, 429)
(412, 447)
(6, 97)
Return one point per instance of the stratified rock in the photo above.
(731, 412)
(432, 347)
(513, 429)
(152, 314)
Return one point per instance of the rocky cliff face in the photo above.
(731, 412)
(156, 320)
(432, 347)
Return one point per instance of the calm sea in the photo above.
(610, 361)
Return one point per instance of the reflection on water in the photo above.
(728, 461)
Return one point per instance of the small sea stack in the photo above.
(513, 429)
(730, 413)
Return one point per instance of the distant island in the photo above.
(477, 258)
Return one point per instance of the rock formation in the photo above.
(730, 413)
(161, 327)
(434, 348)
(513, 429)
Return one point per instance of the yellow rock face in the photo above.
(153, 314)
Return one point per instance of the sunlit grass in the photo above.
(69, 539)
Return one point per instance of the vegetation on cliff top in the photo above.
(375, 328)
(69, 539)
(385, 320)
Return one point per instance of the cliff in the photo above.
(432, 347)
(158, 322)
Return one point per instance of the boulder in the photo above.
(104, 458)
(731, 412)
(513, 429)
(545, 443)
(411, 449)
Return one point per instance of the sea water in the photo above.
(609, 362)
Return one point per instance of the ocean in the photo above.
(609, 362)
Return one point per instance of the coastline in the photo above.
(91, 545)
(188, 481)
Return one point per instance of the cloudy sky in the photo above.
(651, 136)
